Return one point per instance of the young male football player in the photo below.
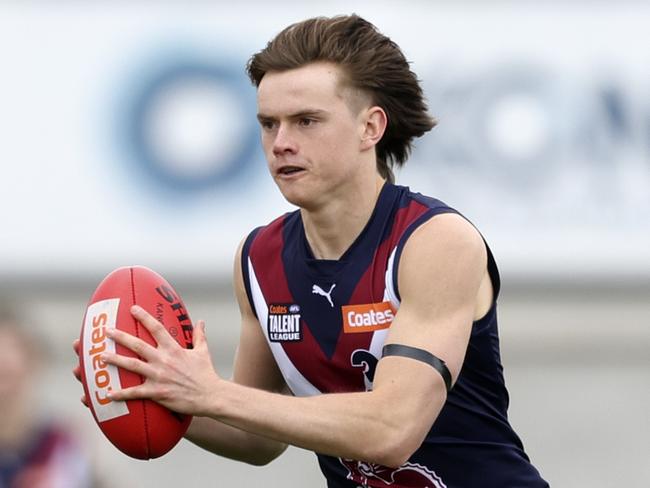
(369, 325)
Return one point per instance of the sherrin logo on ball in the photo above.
(142, 429)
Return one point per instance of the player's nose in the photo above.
(284, 141)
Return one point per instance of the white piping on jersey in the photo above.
(390, 292)
(297, 383)
(379, 336)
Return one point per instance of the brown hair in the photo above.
(371, 63)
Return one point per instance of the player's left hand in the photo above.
(177, 378)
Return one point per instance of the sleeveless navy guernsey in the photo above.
(326, 322)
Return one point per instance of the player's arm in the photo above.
(441, 272)
(442, 269)
(255, 367)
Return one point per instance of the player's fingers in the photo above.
(156, 329)
(132, 364)
(76, 346)
(138, 346)
(132, 393)
(198, 335)
(76, 371)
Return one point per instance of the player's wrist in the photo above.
(213, 402)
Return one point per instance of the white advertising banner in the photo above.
(128, 132)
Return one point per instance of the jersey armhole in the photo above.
(493, 272)
(245, 253)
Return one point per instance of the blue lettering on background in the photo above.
(216, 174)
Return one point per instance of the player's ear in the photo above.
(374, 126)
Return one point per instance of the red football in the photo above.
(142, 429)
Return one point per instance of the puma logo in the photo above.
(327, 294)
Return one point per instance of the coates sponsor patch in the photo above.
(367, 317)
(284, 322)
(101, 377)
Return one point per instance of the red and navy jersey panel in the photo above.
(316, 314)
(326, 322)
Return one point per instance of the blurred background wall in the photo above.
(128, 136)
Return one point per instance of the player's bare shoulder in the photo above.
(445, 254)
(448, 236)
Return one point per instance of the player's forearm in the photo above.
(366, 426)
(233, 443)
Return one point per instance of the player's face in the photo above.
(311, 133)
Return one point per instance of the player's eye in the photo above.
(306, 121)
(267, 124)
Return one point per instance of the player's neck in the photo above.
(332, 229)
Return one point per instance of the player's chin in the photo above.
(297, 194)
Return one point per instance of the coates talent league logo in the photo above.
(283, 323)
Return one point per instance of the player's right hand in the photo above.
(76, 371)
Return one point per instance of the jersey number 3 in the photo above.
(366, 360)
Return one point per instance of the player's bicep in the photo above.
(254, 364)
(440, 274)
(439, 277)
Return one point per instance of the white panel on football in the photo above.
(101, 378)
